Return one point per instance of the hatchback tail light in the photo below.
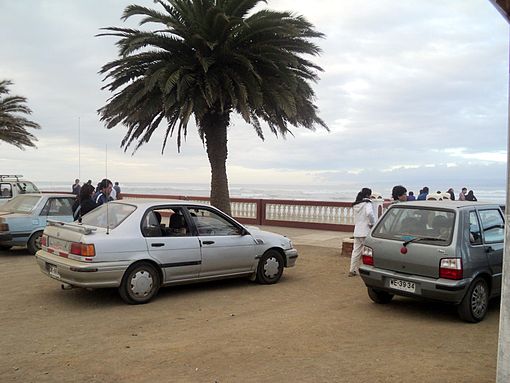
(450, 268)
(4, 227)
(367, 256)
(82, 249)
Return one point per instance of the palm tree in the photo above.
(209, 58)
(13, 127)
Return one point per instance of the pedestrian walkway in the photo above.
(321, 238)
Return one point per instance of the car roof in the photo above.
(444, 204)
(47, 195)
(147, 203)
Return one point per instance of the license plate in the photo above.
(398, 284)
(52, 269)
(57, 244)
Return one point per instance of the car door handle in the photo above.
(157, 244)
(489, 249)
(207, 242)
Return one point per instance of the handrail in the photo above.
(318, 215)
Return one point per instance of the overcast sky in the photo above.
(414, 92)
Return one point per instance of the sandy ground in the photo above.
(316, 325)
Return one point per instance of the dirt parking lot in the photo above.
(316, 325)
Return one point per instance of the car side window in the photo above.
(209, 223)
(475, 236)
(57, 207)
(165, 222)
(5, 190)
(493, 226)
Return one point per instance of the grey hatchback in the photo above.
(450, 251)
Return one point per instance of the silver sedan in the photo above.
(140, 246)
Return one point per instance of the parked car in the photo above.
(23, 218)
(13, 185)
(139, 246)
(450, 251)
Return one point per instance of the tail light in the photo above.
(4, 227)
(44, 240)
(367, 256)
(450, 268)
(83, 249)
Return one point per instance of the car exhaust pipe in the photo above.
(66, 286)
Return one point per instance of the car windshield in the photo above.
(423, 225)
(108, 215)
(21, 204)
(26, 187)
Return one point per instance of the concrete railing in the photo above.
(320, 215)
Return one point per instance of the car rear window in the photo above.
(433, 226)
(108, 215)
(21, 204)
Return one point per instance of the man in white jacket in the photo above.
(364, 219)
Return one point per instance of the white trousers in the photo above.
(356, 253)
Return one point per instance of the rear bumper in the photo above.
(82, 274)
(291, 256)
(440, 289)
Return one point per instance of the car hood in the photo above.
(266, 237)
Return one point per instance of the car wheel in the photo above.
(5, 247)
(34, 242)
(270, 268)
(476, 302)
(140, 283)
(379, 296)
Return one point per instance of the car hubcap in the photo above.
(38, 242)
(141, 283)
(271, 267)
(479, 300)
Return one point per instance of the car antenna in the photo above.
(106, 176)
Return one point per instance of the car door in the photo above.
(178, 253)
(493, 233)
(58, 209)
(226, 248)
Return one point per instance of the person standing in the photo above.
(398, 193)
(76, 187)
(117, 189)
(105, 187)
(85, 203)
(462, 194)
(364, 219)
(470, 196)
(424, 193)
(411, 196)
(452, 194)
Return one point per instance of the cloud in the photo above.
(413, 92)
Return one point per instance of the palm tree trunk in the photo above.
(215, 131)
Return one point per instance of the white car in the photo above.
(140, 246)
(13, 185)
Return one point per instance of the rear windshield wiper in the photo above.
(418, 239)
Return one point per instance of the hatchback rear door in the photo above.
(413, 240)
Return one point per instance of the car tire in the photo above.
(270, 267)
(379, 296)
(5, 247)
(140, 283)
(473, 307)
(34, 242)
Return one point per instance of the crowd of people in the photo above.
(364, 217)
(89, 197)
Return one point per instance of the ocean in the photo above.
(346, 192)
